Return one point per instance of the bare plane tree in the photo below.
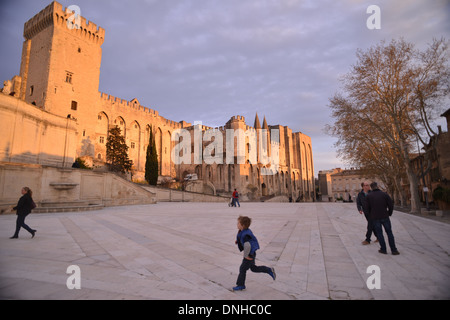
(389, 101)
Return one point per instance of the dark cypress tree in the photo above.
(151, 161)
(117, 152)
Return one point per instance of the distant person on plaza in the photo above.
(24, 207)
(380, 207)
(248, 243)
(362, 208)
(236, 198)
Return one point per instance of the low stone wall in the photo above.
(278, 199)
(171, 195)
(66, 187)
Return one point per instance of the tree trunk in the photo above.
(413, 188)
(412, 178)
(399, 191)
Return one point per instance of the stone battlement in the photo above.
(136, 106)
(54, 15)
(237, 118)
(124, 103)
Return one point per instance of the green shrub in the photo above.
(82, 164)
(442, 194)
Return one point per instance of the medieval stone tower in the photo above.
(60, 67)
(61, 60)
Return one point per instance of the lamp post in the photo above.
(425, 192)
(69, 117)
(65, 139)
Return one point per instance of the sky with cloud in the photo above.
(208, 60)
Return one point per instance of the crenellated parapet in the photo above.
(237, 119)
(116, 102)
(55, 15)
(171, 123)
(39, 22)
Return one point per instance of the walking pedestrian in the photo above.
(380, 207)
(236, 198)
(361, 205)
(24, 207)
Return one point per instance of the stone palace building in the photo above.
(52, 113)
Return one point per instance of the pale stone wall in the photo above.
(295, 176)
(135, 122)
(31, 135)
(168, 195)
(53, 187)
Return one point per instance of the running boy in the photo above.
(248, 243)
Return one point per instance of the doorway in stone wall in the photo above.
(264, 189)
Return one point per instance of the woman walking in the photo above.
(24, 207)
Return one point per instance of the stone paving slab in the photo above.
(186, 251)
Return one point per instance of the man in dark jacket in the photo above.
(380, 207)
(362, 208)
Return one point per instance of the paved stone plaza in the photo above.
(187, 251)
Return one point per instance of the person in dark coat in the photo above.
(24, 207)
(361, 205)
(380, 207)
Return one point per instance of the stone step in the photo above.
(52, 204)
(68, 208)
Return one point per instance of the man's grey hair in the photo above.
(374, 185)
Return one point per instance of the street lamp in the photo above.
(69, 117)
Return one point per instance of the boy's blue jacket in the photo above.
(247, 235)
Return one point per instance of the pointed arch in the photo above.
(168, 153)
(101, 136)
(102, 124)
(120, 122)
(159, 145)
(134, 136)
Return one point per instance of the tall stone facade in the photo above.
(59, 74)
(234, 168)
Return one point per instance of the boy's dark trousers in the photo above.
(249, 264)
